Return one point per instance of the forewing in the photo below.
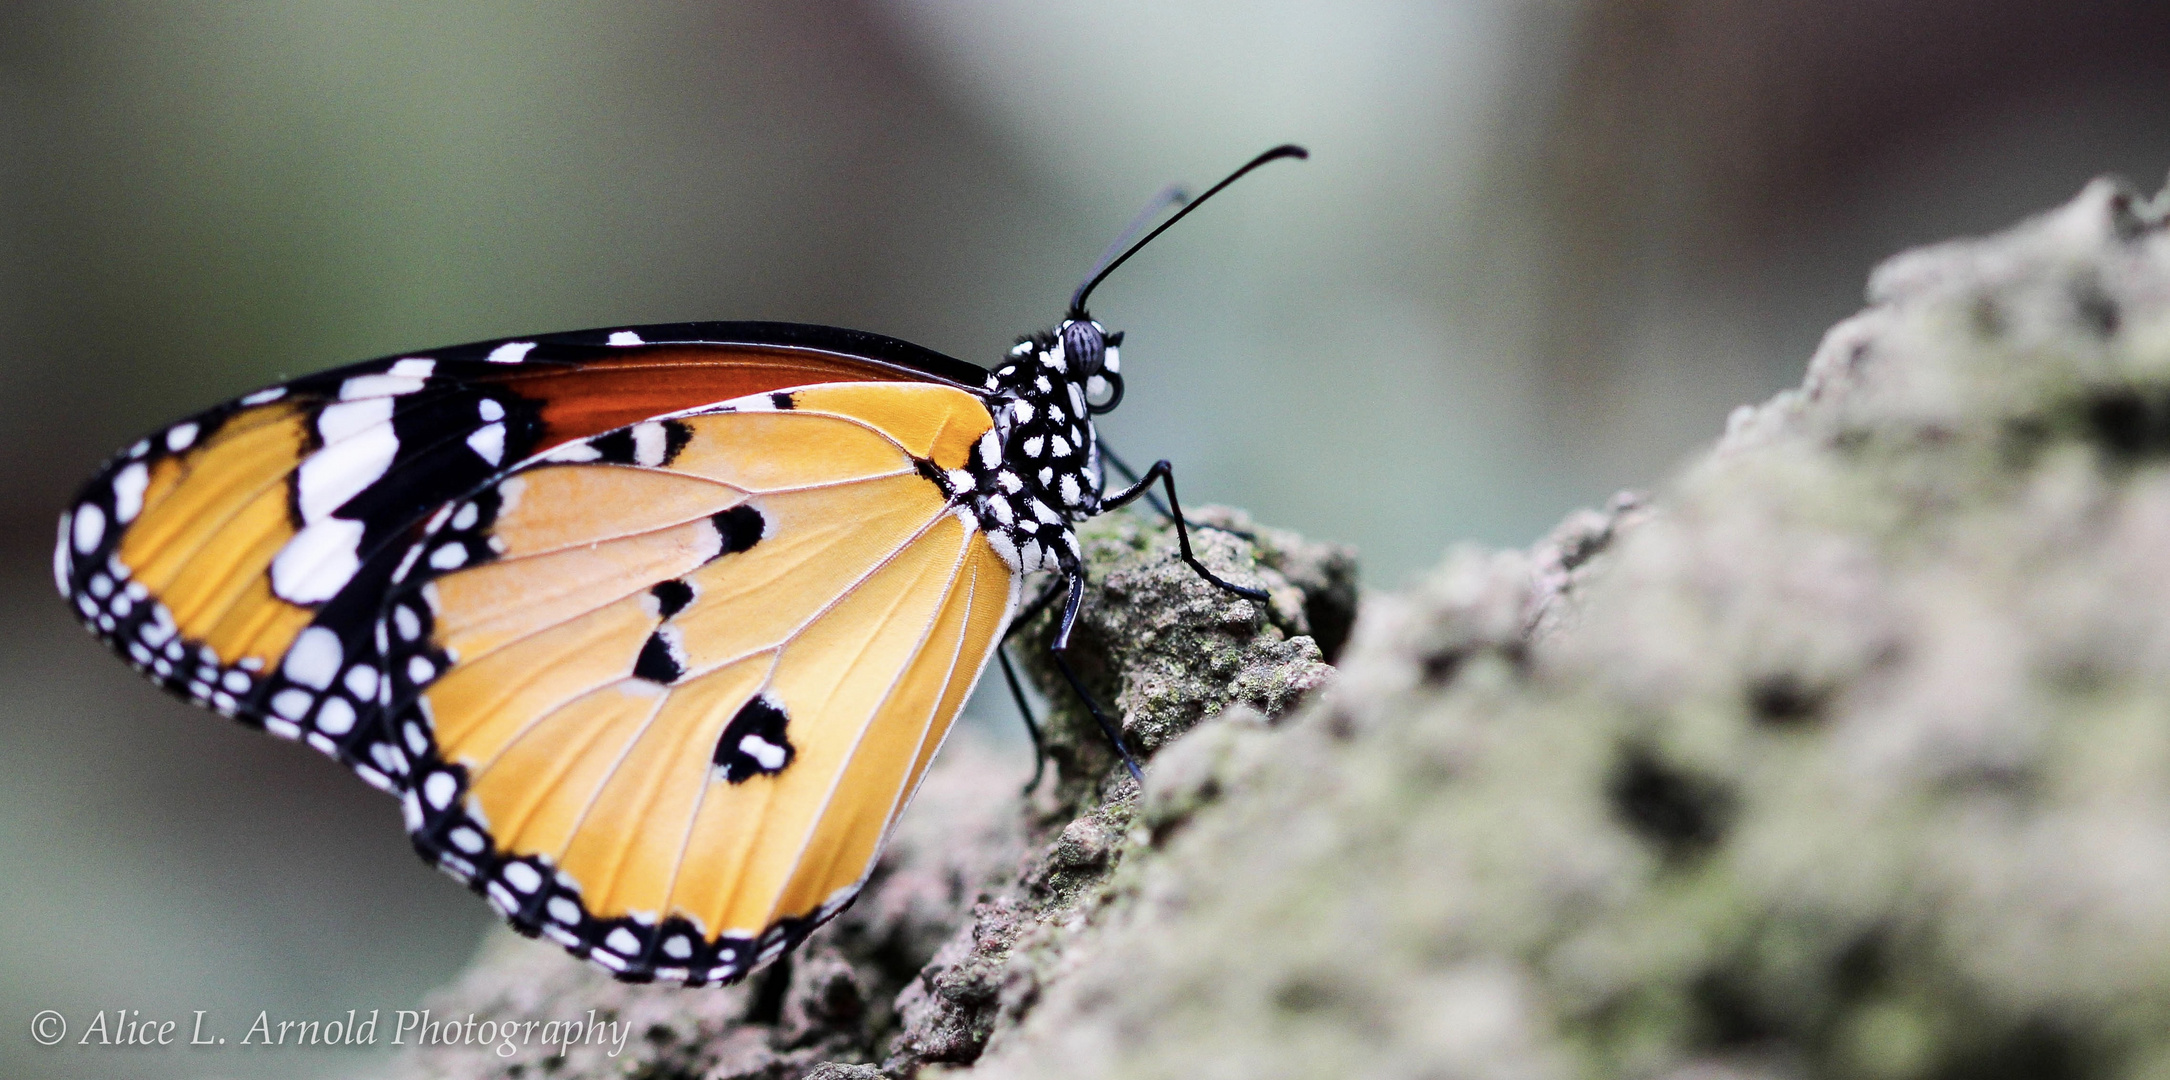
(240, 558)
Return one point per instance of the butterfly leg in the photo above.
(1017, 689)
(1130, 475)
(1077, 685)
(1165, 473)
(1024, 710)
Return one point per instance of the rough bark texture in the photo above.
(1845, 754)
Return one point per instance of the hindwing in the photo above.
(672, 736)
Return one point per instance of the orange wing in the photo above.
(667, 689)
(240, 557)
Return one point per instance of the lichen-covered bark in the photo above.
(1848, 755)
(1845, 753)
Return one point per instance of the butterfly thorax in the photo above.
(1038, 470)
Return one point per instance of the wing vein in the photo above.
(934, 618)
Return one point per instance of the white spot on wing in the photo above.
(318, 561)
(359, 445)
(89, 527)
(181, 436)
(414, 367)
(291, 703)
(512, 352)
(576, 451)
(770, 755)
(625, 337)
(439, 788)
(371, 386)
(488, 443)
(313, 659)
(649, 443)
(523, 877)
(336, 717)
(128, 485)
(263, 396)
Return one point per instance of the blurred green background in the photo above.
(1540, 251)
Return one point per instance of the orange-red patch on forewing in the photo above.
(643, 382)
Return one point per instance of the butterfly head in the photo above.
(1091, 357)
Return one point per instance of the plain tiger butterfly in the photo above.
(651, 630)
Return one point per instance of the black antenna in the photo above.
(1077, 301)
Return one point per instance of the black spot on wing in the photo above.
(754, 743)
(657, 662)
(675, 437)
(935, 475)
(741, 527)
(615, 447)
(671, 597)
(651, 443)
(783, 400)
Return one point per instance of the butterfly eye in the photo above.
(1086, 346)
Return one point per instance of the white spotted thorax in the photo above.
(1038, 471)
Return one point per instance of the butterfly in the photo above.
(652, 630)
